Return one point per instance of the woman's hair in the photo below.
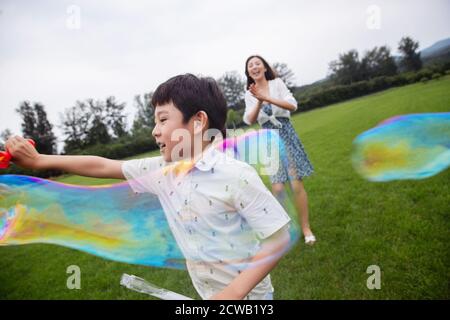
(269, 74)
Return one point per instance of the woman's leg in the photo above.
(280, 193)
(301, 202)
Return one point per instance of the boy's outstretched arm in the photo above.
(272, 249)
(26, 156)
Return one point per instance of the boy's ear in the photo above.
(200, 121)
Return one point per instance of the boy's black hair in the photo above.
(191, 94)
(270, 74)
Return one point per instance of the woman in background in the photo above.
(269, 101)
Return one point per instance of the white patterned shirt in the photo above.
(217, 212)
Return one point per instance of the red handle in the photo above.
(5, 156)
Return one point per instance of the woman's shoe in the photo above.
(311, 239)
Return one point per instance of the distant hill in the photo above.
(440, 51)
(439, 48)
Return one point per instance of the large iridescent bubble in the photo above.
(109, 221)
(414, 146)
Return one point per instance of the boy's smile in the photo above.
(167, 119)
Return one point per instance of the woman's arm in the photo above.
(253, 114)
(281, 103)
(257, 93)
(26, 156)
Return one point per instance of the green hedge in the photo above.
(121, 149)
(338, 93)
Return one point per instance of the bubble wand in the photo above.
(140, 285)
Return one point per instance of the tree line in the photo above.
(349, 68)
(353, 75)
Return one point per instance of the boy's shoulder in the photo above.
(234, 168)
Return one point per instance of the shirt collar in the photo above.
(208, 158)
(204, 162)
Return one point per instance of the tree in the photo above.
(28, 125)
(35, 125)
(347, 69)
(233, 119)
(98, 130)
(378, 62)
(410, 58)
(46, 139)
(145, 116)
(285, 74)
(4, 135)
(75, 124)
(116, 120)
(93, 122)
(233, 88)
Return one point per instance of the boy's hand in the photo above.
(23, 153)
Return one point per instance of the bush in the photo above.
(122, 148)
(436, 75)
(424, 73)
(13, 169)
(325, 95)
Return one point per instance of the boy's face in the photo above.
(171, 132)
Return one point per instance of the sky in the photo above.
(58, 52)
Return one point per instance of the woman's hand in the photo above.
(258, 93)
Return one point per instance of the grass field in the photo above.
(402, 226)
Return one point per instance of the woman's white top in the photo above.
(277, 90)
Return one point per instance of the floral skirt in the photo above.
(294, 164)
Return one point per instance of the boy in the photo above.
(214, 204)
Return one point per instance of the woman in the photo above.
(269, 101)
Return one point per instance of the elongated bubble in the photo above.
(109, 221)
(414, 146)
(113, 222)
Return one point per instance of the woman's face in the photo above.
(255, 68)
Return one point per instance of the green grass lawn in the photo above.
(402, 226)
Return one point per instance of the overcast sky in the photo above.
(57, 52)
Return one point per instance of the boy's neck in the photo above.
(206, 145)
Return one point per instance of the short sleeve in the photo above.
(143, 174)
(258, 206)
(250, 103)
(285, 93)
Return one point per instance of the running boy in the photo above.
(212, 202)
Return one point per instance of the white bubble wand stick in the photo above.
(140, 285)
